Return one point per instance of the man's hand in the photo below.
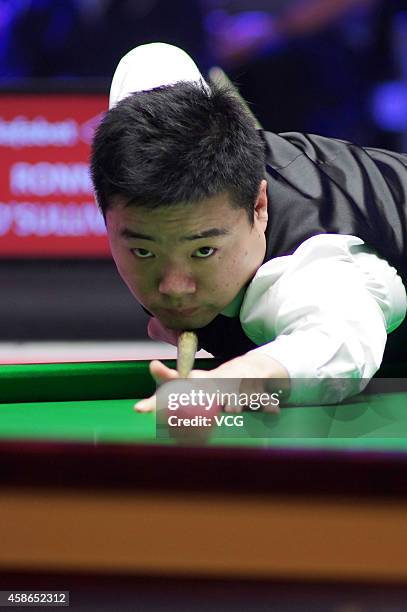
(246, 371)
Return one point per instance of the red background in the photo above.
(80, 108)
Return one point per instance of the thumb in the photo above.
(161, 373)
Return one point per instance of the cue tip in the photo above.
(187, 347)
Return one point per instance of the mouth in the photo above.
(180, 312)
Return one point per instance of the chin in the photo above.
(189, 322)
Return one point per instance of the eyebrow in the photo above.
(210, 233)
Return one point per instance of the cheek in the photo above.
(231, 271)
(122, 262)
(238, 260)
(129, 272)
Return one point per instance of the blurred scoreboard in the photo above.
(47, 205)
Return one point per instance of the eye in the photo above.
(142, 253)
(204, 252)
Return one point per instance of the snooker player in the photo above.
(286, 253)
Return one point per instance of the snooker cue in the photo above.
(187, 347)
(219, 77)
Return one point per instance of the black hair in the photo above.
(177, 144)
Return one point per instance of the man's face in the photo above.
(186, 263)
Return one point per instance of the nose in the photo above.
(176, 283)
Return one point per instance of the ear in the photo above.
(261, 208)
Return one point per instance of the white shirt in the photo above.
(324, 313)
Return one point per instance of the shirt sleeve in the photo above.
(324, 313)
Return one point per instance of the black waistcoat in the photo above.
(320, 185)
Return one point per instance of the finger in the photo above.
(161, 373)
(199, 374)
(272, 409)
(146, 405)
(234, 409)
